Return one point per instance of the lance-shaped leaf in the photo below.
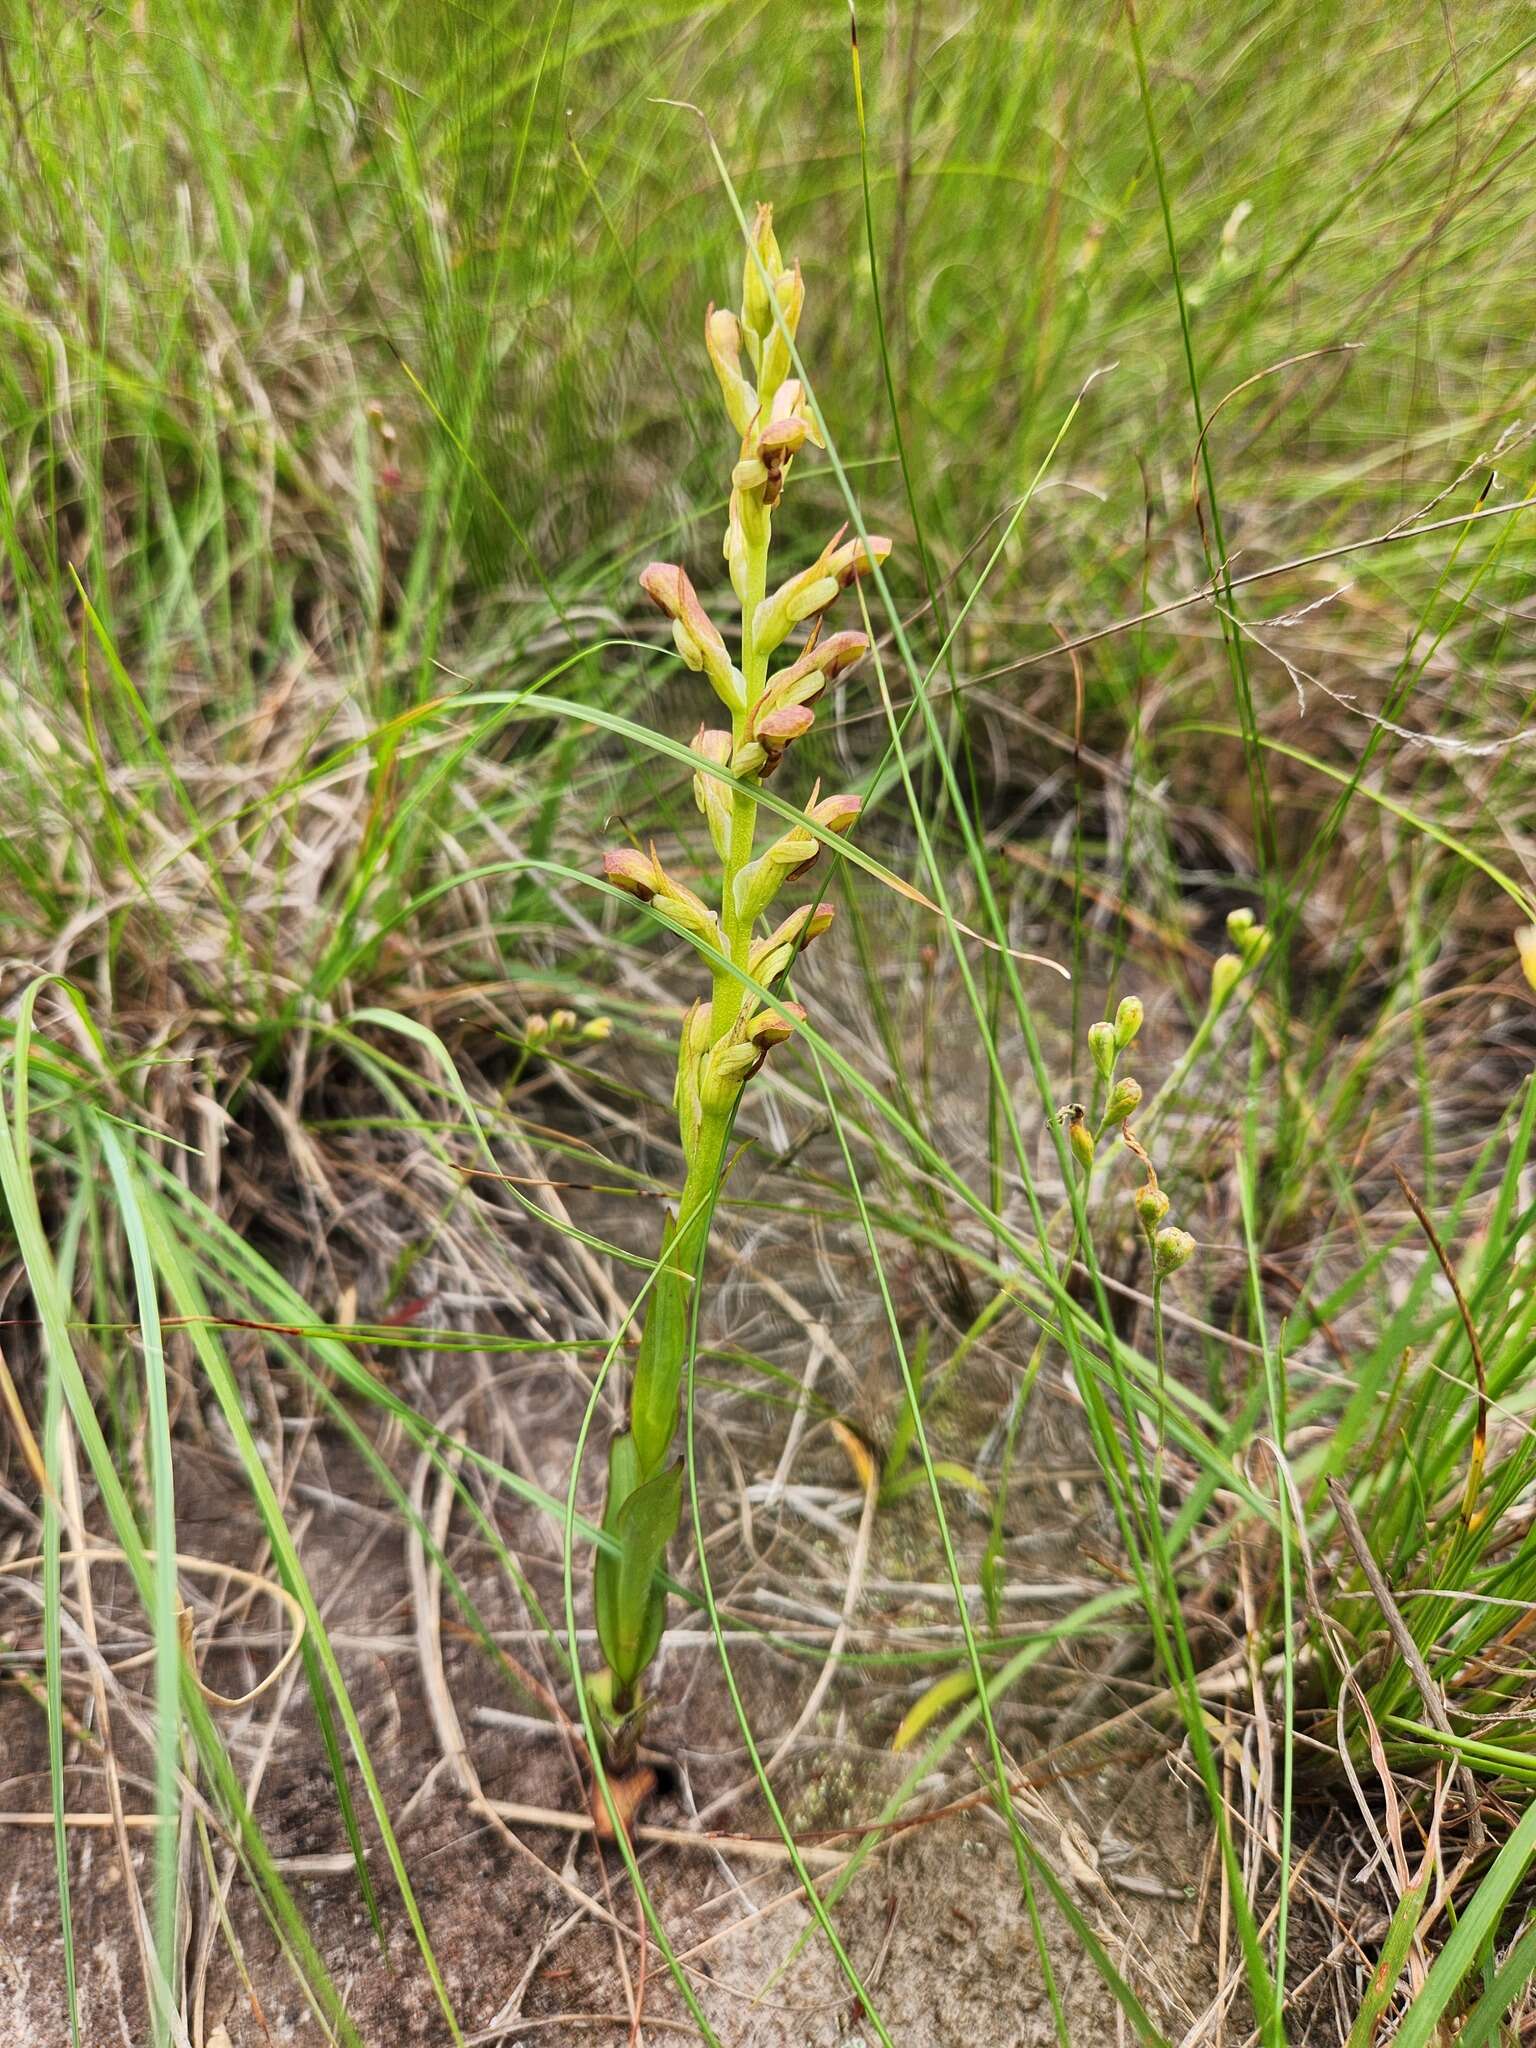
(660, 1359)
(642, 1516)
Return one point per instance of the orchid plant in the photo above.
(726, 1037)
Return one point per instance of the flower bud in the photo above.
(596, 1029)
(1525, 946)
(632, 871)
(1080, 1138)
(1124, 1100)
(803, 596)
(1225, 975)
(722, 337)
(1101, 1048)
(770, 956)
(1251, 940)
(560, 1022)
(1151, 1206)
(762, 257)
(640, 874)
(1171, 1249)
(776, 359)
(1128, 1018)
(694, 633)
(710, 794)
(536, 1030)
(773, 728)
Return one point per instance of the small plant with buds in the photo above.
(1106, 1041)
(726, 1037)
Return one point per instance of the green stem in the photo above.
(728, 991)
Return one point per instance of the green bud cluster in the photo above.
(1106, 1041)
(1252, 942)
(1171, 1247)
(724, 1039)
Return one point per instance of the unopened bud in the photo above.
(1171, 1249)
(596, 1029)
(1080, 1138)
(770, 956)
(536, 1030)
(561, 1021)
(1101, 1048)
(1124, 1100)
(694, 633)
(773, 729)
(1151, 1206)
(1225, 975)
(776, 358)
(722, 337)
(761, 257)
(1128, 1017)
(632, 871)
(1252, 940)
(838, 565)
(713, 796)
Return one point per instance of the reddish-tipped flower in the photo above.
(822, 663)
(632, 871)
(696, 636)
(772, 955)
(642, 875)
(774, 727)
(768, 1028)
(835, 813)
(803, 596)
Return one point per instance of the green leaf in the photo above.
(623, 1477)
(944, 1692)
(659, 1365)
(644, 1525)
(1473, 1933)
(1389, 1964)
